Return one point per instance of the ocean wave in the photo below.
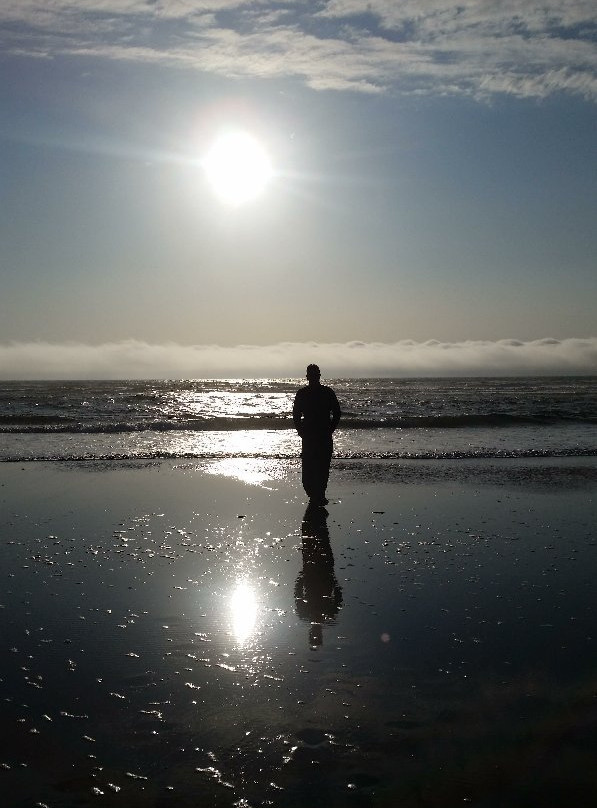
(53, 424)
(13, 422)
(157, 455)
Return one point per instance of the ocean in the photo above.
(251, 418)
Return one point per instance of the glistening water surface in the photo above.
(177, 637)
(232, 418)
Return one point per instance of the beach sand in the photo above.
(181, 634)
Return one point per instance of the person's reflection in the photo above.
(317, 595)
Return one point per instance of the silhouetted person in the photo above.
(316, 414)
(317, 594)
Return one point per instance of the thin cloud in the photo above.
(473, 47)
(132, 359)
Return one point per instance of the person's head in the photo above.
(313, 373)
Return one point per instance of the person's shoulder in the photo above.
(328, 390)
(303, 390)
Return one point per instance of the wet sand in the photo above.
(183, 634)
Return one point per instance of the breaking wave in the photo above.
(50, 423)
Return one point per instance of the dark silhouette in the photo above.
(317, 594)
(316, 414)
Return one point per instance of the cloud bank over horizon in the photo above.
(474, 48)
(133, 359)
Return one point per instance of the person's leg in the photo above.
(322, 471)
(309, 467)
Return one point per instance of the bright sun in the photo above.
(238, 167)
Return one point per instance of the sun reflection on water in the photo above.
(248, 470)
(247, 400)
(247, 443)
(243, 604)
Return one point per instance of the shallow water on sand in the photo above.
(177, 637)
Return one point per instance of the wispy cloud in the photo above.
(472, 47)
(132, 359)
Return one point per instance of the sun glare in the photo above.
(244, 612)
(237, 167)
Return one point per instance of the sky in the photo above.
(433, 183)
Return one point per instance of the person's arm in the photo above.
(296, 415)
(335, 411)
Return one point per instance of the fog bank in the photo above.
(132, 359)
